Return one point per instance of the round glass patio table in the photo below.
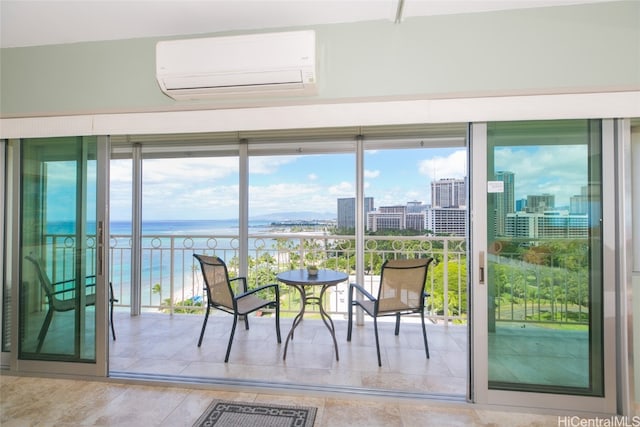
(304, 282)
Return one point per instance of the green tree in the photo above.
(456, 288)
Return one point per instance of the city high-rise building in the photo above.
(416, 220)
(579, 203)
(505, 201)
(449, 193)
(521, 205)
(347, 211)
(547, 225)
(416, 207)
(388, 218)
(539, 203)
(446, 221)
(416, 215)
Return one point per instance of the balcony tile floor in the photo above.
(158, 344)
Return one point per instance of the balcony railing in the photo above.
(171, 281)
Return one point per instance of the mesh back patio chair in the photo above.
(220, 295)
(401, 291)
(61, 297)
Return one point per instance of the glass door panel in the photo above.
(120, 225)
(294, 196)
(544, 243)
(298, 196)
(189, 204)
(421, 192)
(58, 248)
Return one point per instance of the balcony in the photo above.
(159, 346)
(162, 341)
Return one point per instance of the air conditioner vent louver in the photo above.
(277, 63)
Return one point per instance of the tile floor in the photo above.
(157, 344)
(412, 391)
(31, 401)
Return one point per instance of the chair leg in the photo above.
(44, 329)
(278, 320)
(349, 319)
(246, 321)
(397, 323)
(375, 328)
(233, 331)
(424, 334)
(111, 301)
(204, 325)
(113, 329)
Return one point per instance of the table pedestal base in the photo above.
(323, 314)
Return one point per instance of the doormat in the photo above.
(222, 413)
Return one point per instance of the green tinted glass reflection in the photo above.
(545, 288)
(57, 306)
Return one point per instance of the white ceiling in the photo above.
(31, 23)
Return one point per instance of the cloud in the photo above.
(555, 169)
(178, 188)
(120, 171)
(169, 170)
(282, 197)
(268, 165)
(371, 173)
(452, 166)
(208, 188)
(342, 189)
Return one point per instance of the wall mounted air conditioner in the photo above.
(255, 65)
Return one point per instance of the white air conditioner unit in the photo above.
(255, 65)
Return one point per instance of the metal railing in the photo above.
(523, 290)
(171, 280)
(539, 284)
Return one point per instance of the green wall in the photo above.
(584, 48)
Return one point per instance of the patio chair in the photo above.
(220, 295)
(401, 292)
(61, 297)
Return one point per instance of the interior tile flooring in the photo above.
(31, 401)
(159, 377)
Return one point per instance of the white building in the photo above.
(446, 221)
(547, 225)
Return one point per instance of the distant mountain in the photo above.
(288, 216)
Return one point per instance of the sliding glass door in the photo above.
(541, 194)
(62, 233)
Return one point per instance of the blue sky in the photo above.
(61, 193)
(552, 169)
(208, 188)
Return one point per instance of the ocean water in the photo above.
(158, 270)
(167, 263)
(190, 227)
(167, 227)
